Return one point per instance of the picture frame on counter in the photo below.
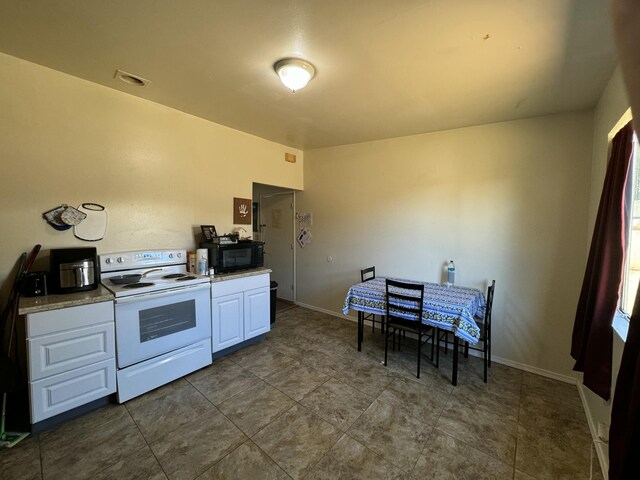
(208, 232)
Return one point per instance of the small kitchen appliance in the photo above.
(163, 319)
(74, 269)
(35, 284)
(231, 257)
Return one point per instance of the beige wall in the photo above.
(506, 201)
(160, 173)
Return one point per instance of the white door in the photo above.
(228, 321)
(256, 312)
(277, 231)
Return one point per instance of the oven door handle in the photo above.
(164, 293)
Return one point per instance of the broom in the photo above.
(9, 373)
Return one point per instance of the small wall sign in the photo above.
(304, 237)
(242, 211)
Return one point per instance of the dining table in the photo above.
(450, 308)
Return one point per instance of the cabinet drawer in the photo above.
(61, 352)
(59, 393)
(55, 321)
(228, 287)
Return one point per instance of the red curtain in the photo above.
(591, 344)
(624, 432)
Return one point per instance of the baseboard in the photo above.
(600, 447)
(328, 312)
(538, 371)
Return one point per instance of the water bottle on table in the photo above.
(451, 274)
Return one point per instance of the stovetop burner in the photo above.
(139, 285)
(166, 270)
(175, 275)
(186, 277)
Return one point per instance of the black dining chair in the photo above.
(485, 331)
(406, 300)
(367, 274)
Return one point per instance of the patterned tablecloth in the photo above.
(449, 308)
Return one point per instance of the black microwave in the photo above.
(236, 256)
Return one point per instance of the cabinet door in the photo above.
(256, 312)
(61, 352)
(59, 393)
(227, 321)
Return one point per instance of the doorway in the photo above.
(275, 213)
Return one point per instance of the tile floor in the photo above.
(304, 403)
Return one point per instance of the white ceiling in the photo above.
(384, 68)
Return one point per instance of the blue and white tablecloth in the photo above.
(449, 308)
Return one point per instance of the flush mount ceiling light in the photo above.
(131, 79)
(294, 73)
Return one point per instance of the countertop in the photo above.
(221, 277)
(53, 302)
(101, 294)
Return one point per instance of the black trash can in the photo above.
(274, 295)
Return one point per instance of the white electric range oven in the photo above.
(163, 318)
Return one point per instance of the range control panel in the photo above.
(110, 262)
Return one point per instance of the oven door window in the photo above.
(166, 320)
(237, 257)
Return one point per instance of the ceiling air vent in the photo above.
(131, 79)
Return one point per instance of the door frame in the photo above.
(293, 231)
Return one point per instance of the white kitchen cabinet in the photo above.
(227, 320)
(71, 357)
(240, 310)
(256, 312)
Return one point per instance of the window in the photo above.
(631, 277)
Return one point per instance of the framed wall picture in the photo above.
(242, 211)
